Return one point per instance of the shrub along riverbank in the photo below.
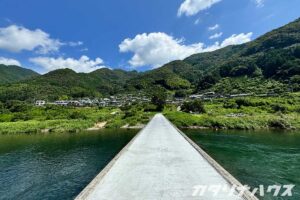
(243, 113)
(18, 117)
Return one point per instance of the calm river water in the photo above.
(255, 158)
(59, 166)
(55, 166)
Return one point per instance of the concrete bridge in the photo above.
(162, 163)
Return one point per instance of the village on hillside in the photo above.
(129, 99)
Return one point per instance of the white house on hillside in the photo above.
(40, 103)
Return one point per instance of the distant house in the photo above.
(74, 103)
(103, 103)
(86, 102)
(61, 103)
(241, 95)
(196, 96)
(40, 103)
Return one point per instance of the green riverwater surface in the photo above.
(255, 158)
(59, 166)
(55, 166)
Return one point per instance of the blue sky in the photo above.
(134, 34)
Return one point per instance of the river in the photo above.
(59, 166)
(55, 166)
(255, 157)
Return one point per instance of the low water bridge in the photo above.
(162, 163)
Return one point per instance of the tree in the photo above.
(243, 102)
(297, 52)
(63, 97)
(206, 82)
(159, 100)
(180, 93)
(195, 106)
(1, 107)
(270, 62)
(17, 106)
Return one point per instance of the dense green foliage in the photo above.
(237, 113)
(159, 100)
(171, 77)
(271, 62)
(273, 55)
(20, 117)
(10, 74)
(243, 113)
(195, 106)
(245, 84)
(67, 83)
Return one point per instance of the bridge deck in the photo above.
(159, 163)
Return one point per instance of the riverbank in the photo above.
(253, 113)
(61, 119)
(253, 122)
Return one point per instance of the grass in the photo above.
(257, 113)
(34, 126)
(133, 117)
(248, 113)
(61, 119)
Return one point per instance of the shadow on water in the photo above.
(55, 166)
(255, 158)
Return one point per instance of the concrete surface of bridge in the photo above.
(162, 163)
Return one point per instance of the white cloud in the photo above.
(192, 7)
(156, 49)
(237, 39)
(84, 49)
(83, 64)
(17, 38)
(197, 21)
(215, 27)
(75, 44)
(259, 3)
(9, 61)
(215, 36)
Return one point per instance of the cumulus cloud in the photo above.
(17, 38)
(156, 49)
(9, 61)
(215, 36)
(237, 39)
(215, 27)
(192, 7)
(83, 64)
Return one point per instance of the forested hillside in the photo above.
(65, 83)
(272, 60)
(10, 74)
(271, 63)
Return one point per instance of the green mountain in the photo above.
(172, 76)
(271, 63)
(10, 74)
(275, 53)
(64, 83)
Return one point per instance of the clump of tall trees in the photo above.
(195, 106)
